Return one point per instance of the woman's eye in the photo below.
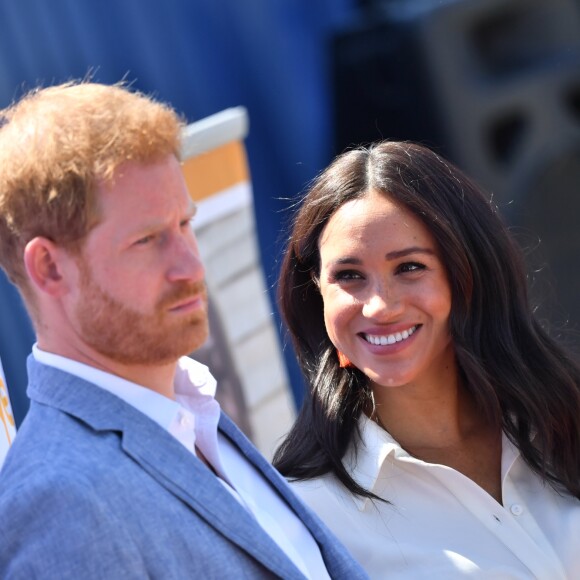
(188, 223)
(347, 275)
(410, 267)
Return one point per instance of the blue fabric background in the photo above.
(201, 56)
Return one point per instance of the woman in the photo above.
(440, 436)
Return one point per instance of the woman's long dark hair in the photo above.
(520, 378)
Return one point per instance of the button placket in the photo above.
(516, 509)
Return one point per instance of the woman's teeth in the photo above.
(389, 338)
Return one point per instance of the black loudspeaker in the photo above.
(494, 85)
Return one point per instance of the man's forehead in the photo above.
(143, 195)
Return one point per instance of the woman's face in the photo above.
(386, 295)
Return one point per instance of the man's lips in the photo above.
(188, 304)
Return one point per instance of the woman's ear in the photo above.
(315, 278)
(42, 259)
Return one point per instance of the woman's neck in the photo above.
(441, 424)
(437, 411)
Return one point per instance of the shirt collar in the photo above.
(365, 459)
(509, 455)
(375, 446)
(192, 379)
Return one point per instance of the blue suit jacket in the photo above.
(92, 488)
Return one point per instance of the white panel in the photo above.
(271, 421)
(232, 262)
(214, 131)
(260, 363)
(243, 305)
(223, 203)
(228, 230)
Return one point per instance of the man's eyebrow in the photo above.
(153, 225)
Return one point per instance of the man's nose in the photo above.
(185, 263)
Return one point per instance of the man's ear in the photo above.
(43, 260)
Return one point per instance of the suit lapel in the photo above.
(338, 562)
(272, 476)
(192, 482)
(163, 458)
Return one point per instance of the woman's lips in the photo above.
(392, 338)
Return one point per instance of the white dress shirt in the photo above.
(440, 524)
(192, 418)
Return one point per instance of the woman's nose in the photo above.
(383, 302)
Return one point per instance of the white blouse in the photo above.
(440, 524)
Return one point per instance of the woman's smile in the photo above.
(386, 293)
(384, 339)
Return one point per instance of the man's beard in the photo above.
(133, 338)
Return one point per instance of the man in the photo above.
(124, 467)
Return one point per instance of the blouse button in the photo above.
(516, 509)
(185, 421)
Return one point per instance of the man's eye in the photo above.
(144, 240)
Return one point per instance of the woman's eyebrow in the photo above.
(347, 260)
(395, 255)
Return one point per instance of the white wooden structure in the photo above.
(244, 349)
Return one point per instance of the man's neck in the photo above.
(158, 378)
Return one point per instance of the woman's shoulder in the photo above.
(328, 498)
(315, 487)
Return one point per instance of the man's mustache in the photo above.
(181, 292)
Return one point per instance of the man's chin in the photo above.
(197, 342)
(154, 353)
(192, 339)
